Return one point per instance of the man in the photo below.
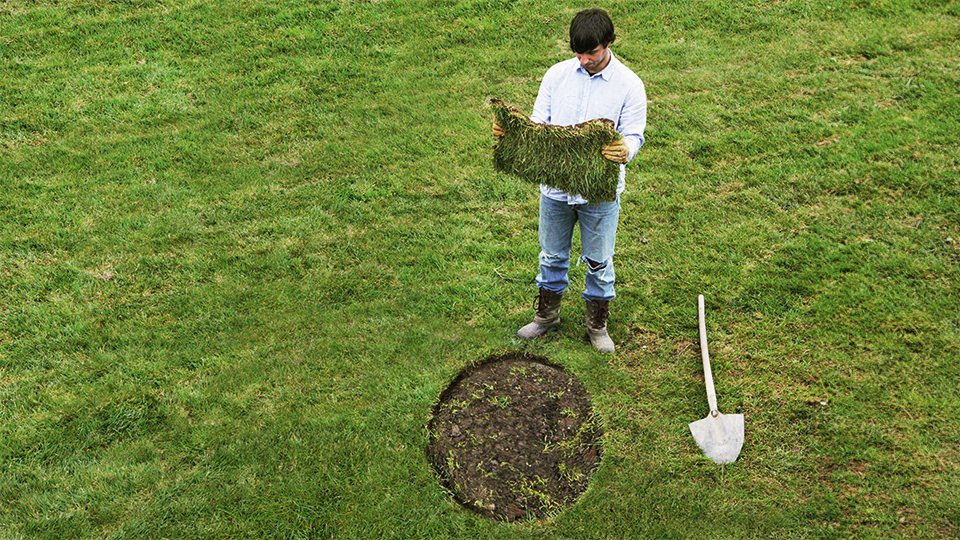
(593, 85)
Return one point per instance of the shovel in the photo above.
(720, 436)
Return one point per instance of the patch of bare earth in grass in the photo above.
(515, 437)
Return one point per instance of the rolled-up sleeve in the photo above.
(542, 106)
(633, 119)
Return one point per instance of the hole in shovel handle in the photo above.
(714, 413)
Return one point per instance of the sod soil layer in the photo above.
(514, 438)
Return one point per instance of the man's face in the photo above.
(594, 61)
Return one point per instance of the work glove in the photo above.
(497, 130)
(616, 151)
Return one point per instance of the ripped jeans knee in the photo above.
(595, 266)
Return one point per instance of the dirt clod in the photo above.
(514, 437)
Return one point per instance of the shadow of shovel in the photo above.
(720, 436)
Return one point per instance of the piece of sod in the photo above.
(566, 158)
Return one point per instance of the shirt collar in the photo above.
(605, 72)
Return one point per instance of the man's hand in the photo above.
(497, 130)
(616, 151)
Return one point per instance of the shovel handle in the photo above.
(707, 374)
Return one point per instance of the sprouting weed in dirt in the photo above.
(452, 464)
(481, 391)
(534, 489)
(482, 504)
(518, 371)
(547, 446)
(455, 406)
(568, 446)
(594, 421)
(483, 471)
(571, 475)
(501, 401)
(568, 413)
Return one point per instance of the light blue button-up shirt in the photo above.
(569, 95)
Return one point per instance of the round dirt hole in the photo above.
(514, 437)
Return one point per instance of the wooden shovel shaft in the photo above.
(707, 374)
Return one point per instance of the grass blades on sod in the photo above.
(245, 246)
(566, 158)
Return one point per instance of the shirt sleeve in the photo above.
(541, 107)
(633, 119)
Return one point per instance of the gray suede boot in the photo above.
(597, 312)
(547, 317)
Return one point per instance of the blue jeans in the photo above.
(598, 235)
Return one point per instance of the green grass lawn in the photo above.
(245, 245)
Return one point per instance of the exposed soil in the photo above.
(514, 437)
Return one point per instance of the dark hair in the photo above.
(590, 28)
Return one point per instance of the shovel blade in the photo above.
(720, 437)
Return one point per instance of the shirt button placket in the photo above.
(584, 99)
